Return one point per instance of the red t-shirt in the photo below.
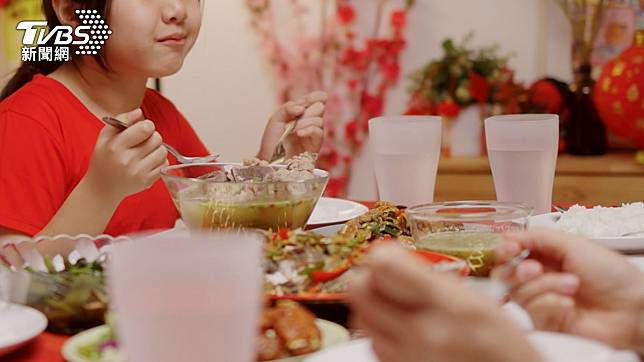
(47, 138)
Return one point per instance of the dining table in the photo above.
(48, 346)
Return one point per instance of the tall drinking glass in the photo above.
(5, 286)
(523, 155)
(405, 152)
(188, 298)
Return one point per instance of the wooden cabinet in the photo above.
(607, 180)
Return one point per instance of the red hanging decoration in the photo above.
(619, 94)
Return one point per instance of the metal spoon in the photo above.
(518, 259)
(280, 152)
(560, 209)
(634, 233)
(180, 158)
(512, 264)
(316, 109)
(495, 286)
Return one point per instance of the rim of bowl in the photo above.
(509, 211)
(107, 239)
(94, 273)
(164, 173)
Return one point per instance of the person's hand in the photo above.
(309, 130)
(414, 314)
(574, 286)
(129, 161)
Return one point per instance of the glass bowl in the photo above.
(72, 302)
(469, 230)
(62, 276)
(208, 204)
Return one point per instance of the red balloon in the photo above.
(619, 95)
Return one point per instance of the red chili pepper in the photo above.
(322, 276)
(282, 233)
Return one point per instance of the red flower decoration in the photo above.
(448, 108)
(372, 105)
(351, 131)
(398, 19)
(480, 88)
(328, 160)
(346, 14)
(546, 96)
(391, 71)
(358, 60)
(420, 105)
(353, 84)
(412, 111)
(336, 186)
(346, 78)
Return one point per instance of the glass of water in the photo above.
(188, 298)
(405, 152)
(523, 156)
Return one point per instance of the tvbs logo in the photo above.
(87, 38)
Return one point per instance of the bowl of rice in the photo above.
(619, 228)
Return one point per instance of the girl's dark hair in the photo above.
(28, 70)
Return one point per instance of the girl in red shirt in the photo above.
(63, 171)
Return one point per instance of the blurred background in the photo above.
(393, 57)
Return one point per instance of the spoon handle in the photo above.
(280, 152)
(115, 123)
(174, 152)
(123, 126)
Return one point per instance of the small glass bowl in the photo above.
(72, 300)
(470, 230)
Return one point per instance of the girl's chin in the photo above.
(165, 69)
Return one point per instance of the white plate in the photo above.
(638, 261)
(626, 244)
(19, 325)
(355, 351)
(553, 347)
(556, 347)
(329, 230)
(332, 334)
(331, 211)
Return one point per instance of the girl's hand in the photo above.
(308, 133)
(126, 162)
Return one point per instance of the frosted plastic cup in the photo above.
(405, 152)
(188, 298)
(5, 286)
(523, 156)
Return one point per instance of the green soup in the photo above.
(266, 215)
(474, 247)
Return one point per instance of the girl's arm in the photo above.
(123, 163)
(85, 211)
